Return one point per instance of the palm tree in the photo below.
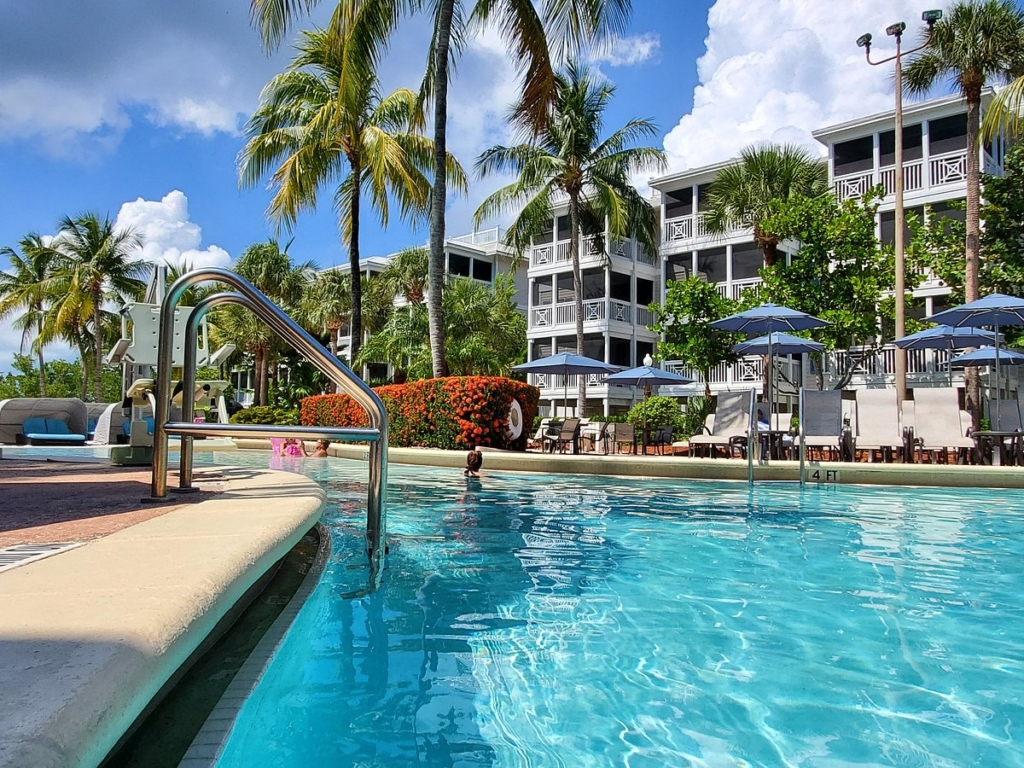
(406, 275)
(744, 193)
(973, 43)
(320, 123)
(327, 306)
(272, 272)
(569, 157)
(95, 264)
(25, 290)
(527, 31)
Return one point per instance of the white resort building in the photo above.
(619, 283)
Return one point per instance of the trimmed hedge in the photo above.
(452, 413)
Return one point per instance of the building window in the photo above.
(620, 287)
(711, 263)
(643, 348)
(887, 230)
(747, 260)
(948, 134)
(565, 344)
(483, 270)
(911, 145)
(563, 284)
(618, 352)
(563, 228)
(644, 291)
(679, 202)
(546, 235)
(678, 267)
(458, 265)
(540, 348)
(593, 346)
(593, 284)
(946, 210)
(853, 156)
(542, 293)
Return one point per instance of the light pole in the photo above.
(864, 41)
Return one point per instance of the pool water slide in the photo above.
(249, 296)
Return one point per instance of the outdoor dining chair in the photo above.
(622, 434)
(567, 436)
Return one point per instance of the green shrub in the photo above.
(657, 411)
(692, 421)
(266, 414)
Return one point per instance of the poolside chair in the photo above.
(937, 426)
(821, 424)
(535, 441)
(622, 434)
(662, 437)
(567, 435)
(878, 424)
(596, 435)
(732, 423)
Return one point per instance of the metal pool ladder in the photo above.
(248, 296)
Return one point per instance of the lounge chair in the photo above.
(937, 426)
(535, 441)
(49, 431)
(821, 423)
(878, 424)
(567, 435)
(622, 434)
(732, 422)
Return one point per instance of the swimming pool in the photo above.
(536, 620)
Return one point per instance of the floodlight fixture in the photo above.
(895, 30)
(864, 41)
(930, 17)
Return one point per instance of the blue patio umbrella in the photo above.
(768, 318)
(947, 337)
(987, 356)
(566, 364)
(994, 310)
(646, 376)
(778, 344)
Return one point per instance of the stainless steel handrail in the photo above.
(752, 439)
(803, 441)
(248, 296)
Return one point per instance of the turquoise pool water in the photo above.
(534, 620)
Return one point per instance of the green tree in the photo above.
(62, 379)
(568, 156)
(95, 264)
(406, 275)
(527, 30)
(682, 324)
(840, 270)
(24, 290)
(320, 124)
(487, 333)
(272, 272)
(744, 193)
(327, 305)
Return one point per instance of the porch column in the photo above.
(728, 270)
(876, 160)
(529, 307)
(926, 154)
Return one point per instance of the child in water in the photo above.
(293, 447)
(474, 460)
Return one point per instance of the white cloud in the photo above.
(776, 71)
(628, 51)
(167, 234)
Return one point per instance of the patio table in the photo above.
(999, 447)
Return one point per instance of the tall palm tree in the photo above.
(567, 24)
(271, 271)
(975, 42)
(323, 124)
(743, 194)
(568, 156)
(95, 265)
(327, 306)
(24, 290)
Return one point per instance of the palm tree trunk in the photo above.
(333, 345)
(973, 249)
(264, 394)
(356, 320)
(97, 333)
(39, 355)
(435, 272)
(257, 385)
(577, 288)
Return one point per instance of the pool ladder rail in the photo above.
(247, 295)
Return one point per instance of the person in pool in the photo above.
(320, 452)
(293, 447)
(474, 460)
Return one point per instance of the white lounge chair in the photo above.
(878, 424)
(821, 425)
(732, 422)
(937, 425)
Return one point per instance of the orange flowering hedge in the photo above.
(452, 413)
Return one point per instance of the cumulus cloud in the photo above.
(168, 235)
(628, 51)
(77, 78)
(777, 71)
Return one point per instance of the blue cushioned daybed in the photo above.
(49, 431)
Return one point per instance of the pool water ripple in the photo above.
(566, 621)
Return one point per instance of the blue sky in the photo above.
(135, 109)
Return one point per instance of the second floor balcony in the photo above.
(557, 254)
(694, 227)
(937, 172)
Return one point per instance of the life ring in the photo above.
(515, 420)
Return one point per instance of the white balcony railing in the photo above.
(594, 310)
(739, 286)
(950, 168)
(693, 227)
(551, 381)
(590, 251)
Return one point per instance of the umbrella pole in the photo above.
(999, 383)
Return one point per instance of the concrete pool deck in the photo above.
(88, 637)
(856, 473)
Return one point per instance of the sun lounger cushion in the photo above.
(40, 430)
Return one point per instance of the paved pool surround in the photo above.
(89, 637)
(860, 473)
